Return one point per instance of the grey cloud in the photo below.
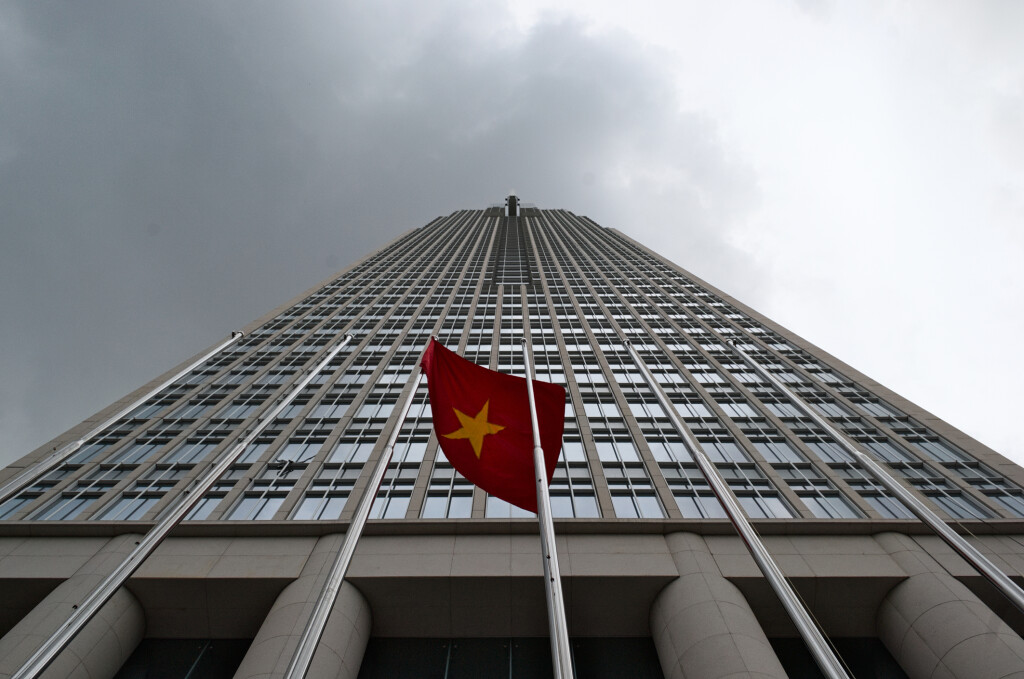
(817, 9)
(169, 172)
(1008, 127)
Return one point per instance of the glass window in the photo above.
(738, 410)
(777, 451)
(145, 411)
(888, 452)
(11, 506)
(65, 508)
(320, 507)
(606, 451)
(561, 506)
(691, 410)
(377, 410)
(299, 452)
(1013, 502)
(389, 506)
(764, 507)
(572, 451)
(700, 506)
(942, 452)
(960, 506)
(830, 506)
(829, 452)
(888, 506)
(460, 506)
(610, 410)
(189, 451)
(256, 508)
(496, 508)
(237, 411)
(649, 507)
(317, 413)
(435, 506)
(87, 453)
(724, 451)
(128, 508)
(135, 452)
(411, 452)
(627, 451)
(624, 507)
(204, 508)
(348, 451)
(189, 411)
(585, 507)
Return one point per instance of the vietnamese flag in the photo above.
(482, 420)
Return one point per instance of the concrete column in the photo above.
(701, 624)
(344, 641)
(103, 645)
(935, 627)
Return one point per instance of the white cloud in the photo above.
(889, 155)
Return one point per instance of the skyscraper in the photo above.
(446, 580)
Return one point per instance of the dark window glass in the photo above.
(519, 658)
(181, 658)
(866, 658)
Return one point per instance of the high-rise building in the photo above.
(446, 580)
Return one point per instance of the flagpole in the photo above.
(818, 645)
(962, 547)
(92, 604)
(314, 629)
(561, 657)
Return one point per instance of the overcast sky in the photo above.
(171, 171)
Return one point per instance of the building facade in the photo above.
(446, 580)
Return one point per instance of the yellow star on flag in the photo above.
(474, 428)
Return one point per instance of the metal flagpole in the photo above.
(962, 547)
(314, 629)
(85, 611)
(561, 657)
(34, 471)
(825, 658)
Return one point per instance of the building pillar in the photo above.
(703, 626)
(341, 648)
(935, 627)
(103, 645)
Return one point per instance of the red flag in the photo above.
(482, 420)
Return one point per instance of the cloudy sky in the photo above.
(171, 171)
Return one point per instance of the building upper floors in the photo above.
(479, 280)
